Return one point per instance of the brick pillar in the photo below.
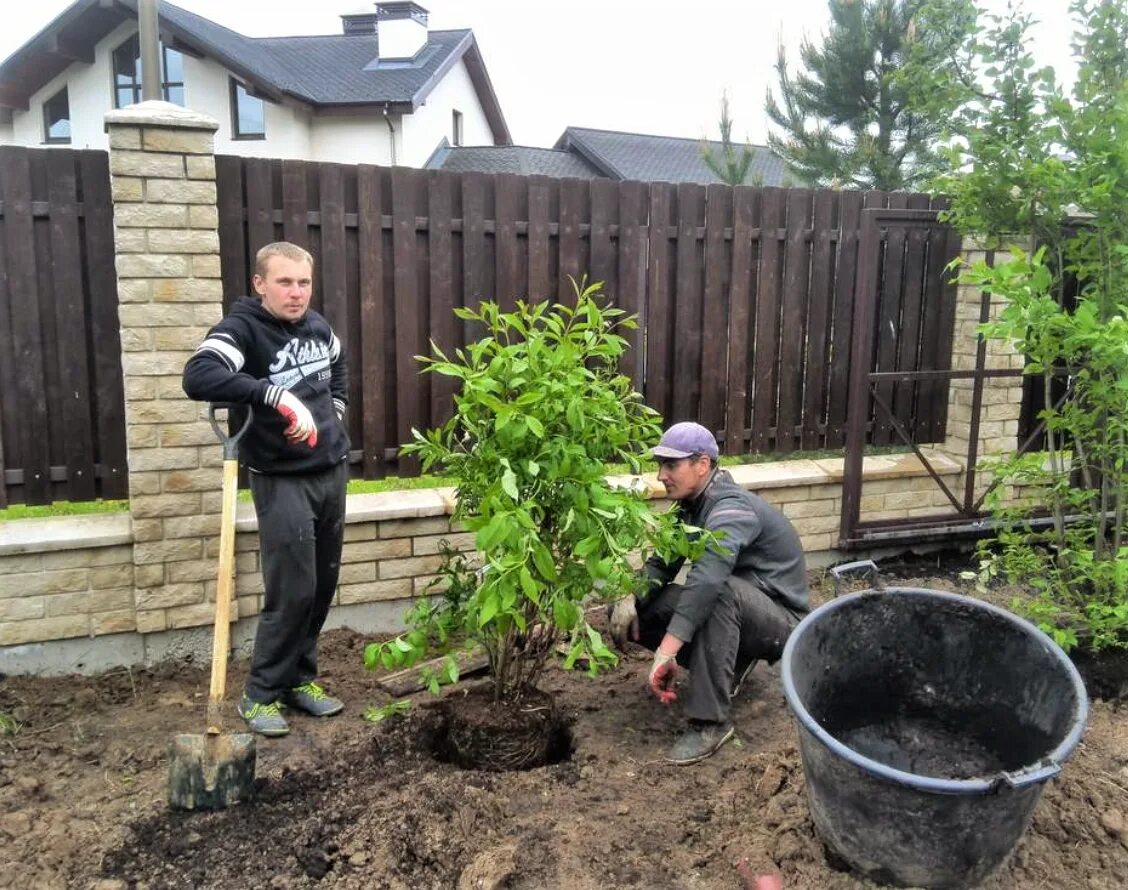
(162, 168)
(1002, 396)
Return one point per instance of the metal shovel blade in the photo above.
(210, 772)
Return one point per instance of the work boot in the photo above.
(312, 699)
(263, 717)
(701, 740)
(743, 672)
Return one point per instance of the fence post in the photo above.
(162, 171)
(1001, 401)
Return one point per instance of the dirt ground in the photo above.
(344, 803)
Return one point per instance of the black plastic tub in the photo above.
(929, 724)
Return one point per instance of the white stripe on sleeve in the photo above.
(223, 348)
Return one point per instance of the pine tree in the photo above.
(845, 119)
(728, 167)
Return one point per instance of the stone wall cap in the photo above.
(155, 113)
(384, 505)
(64, 533)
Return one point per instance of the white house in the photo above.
(387, 90)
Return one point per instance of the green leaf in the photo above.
(509, 484)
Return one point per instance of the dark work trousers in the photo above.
(746, 625)
(301, 522)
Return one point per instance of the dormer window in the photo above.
(127, 74)
(56, 119)
(456, 127)
(248, 113)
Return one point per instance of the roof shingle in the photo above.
(664, 158)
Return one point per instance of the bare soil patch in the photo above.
(347, 804)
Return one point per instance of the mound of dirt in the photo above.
(343, 803)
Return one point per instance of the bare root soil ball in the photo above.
(473, 731)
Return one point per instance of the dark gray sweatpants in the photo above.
(301, 521)
(746, 625)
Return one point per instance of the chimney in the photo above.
(402, 29)
(359, 24)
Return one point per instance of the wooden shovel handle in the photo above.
(221, 642)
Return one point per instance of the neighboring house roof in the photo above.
(511, 159)
(321, 71)
(663, 158)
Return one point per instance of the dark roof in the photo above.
(663, 158)
(322, 71)
(512, 159)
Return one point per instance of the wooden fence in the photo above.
(744, 295)
(62, 408)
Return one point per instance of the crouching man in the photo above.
(740, 600)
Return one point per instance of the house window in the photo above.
(456, 127)
(248, 114)
(127, 74)
(56, 118)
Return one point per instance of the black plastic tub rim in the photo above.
(1046, 768)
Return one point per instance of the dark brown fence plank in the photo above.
(105, 336)
(71, 325)
(475, 250)
(818, 319)
(49, 336)
(231, 201)
(259, 179)
(659, 309)
(408, 322)
(334, 293)
(687, 305)
(571, 263)
(793, 319)
(373, 359)
(746, 209)
(846, 266)
(444, 323)
(295, 204)
(630, 295)
(507, 193)
(10, 406)
(950, 244)
(766, 347)
(540, 275)
(27, 325)
(889, 319)
(912, 298)
(604, 214)
(715, 309)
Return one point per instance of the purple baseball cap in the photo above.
(686, 438)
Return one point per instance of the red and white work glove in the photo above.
(302, 427)
(663, 676)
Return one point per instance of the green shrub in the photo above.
(541, 410)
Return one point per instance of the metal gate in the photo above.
(865, 396)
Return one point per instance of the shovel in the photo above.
(213, 770)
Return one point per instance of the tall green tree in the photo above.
(727, 165)
(845, 119)
(1040, 175)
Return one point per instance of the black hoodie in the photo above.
(250, 358)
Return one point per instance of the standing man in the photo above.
(282, 361)
(739, 603)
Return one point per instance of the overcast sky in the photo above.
(647, 66)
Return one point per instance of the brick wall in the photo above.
(390, 554)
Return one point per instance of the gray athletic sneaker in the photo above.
(701, 740)
(312, 699)
(263, 718)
